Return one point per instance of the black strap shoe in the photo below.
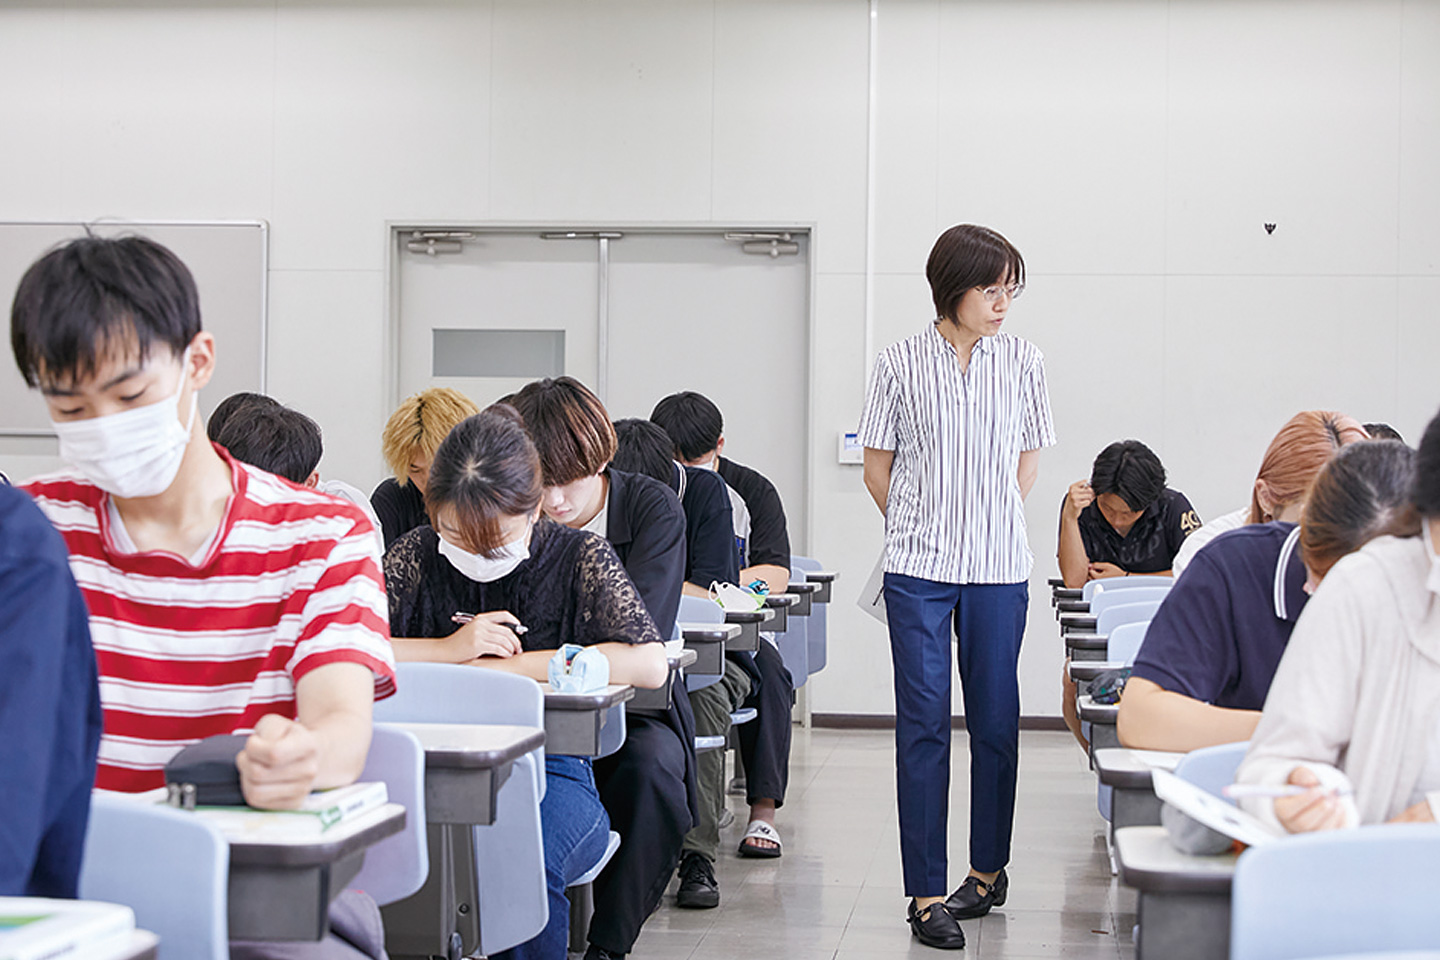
(698, 888)
(934, 927)
(975, 897)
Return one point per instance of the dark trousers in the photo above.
(643, 788)
(765, 741)
(989, 623)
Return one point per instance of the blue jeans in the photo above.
(575, 830)
(989, 622)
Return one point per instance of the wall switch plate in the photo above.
(850, 450)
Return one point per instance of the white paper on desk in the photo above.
(1210, 810)
(872, 595)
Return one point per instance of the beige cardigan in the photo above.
(1357, 695)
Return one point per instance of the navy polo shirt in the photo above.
(1218, 636)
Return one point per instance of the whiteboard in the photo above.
(230, 262)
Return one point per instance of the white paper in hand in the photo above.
(872, 595)
(1210, 810)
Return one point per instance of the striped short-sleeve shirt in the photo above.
(189, 648)
(954, 513)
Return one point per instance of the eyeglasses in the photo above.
(1013, 291)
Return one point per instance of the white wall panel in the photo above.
(326, 357)
(602, 110)
(906, 134)
(790, 107)
(1244, 354)
(1051, 129)
(381, 113)
(141, 113)
(1419, 202)
(1418, 379)
(1284, 113)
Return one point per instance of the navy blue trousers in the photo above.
(989, 622)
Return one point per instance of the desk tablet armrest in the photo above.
(798, 588)
(1118, 767)
(1072, 606)
(600, 700)
(781, 600)
(709, 632)
(749, 616)
(1066, 593)
(1077, 621)
(821, 576)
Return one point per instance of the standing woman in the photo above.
(954, 421)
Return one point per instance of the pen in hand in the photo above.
(519, 629)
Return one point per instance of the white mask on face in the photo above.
(1432, 583)
(134, 453)
(483, 569)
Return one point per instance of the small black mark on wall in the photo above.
(1269, 228)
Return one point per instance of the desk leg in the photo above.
(442, 919)
(1184, 926)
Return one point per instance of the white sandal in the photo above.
(760, 830)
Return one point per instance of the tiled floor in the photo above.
(836, 893)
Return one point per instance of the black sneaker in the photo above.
(599, 953)
(934, 927)
(975, 897)
(698, 889)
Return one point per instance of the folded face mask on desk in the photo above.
(577, 669)
(732, 597)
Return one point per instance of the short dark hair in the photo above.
(485, 469)
(692, 421)
(94, 294)
(1131, 471)
(273, 437)
(965, 257)
(643, 447)
(570, 427)
(1356, 496)
(232, 405)
(1382, 431)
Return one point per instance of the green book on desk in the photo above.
(32, 928)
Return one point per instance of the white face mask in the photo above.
(483, 569)
(1432, 583)
(134, 453)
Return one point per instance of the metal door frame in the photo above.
(395, 242)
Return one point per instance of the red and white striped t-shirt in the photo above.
(187, 650)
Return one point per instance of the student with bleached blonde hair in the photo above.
(412, 435)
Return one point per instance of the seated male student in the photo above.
(265, 433)
(49, 707)
(710, 557)
(648, 785)
(697, 428)
(1123, 520)
(109, 330)
(412, 435)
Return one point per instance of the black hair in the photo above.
(1131, 471)
(1383, 431)
(485, 469)
(94, 295)
(965, 257)
(693, 422)
(232, 405)
(644, 447)
(1425, 490)
(273, 437)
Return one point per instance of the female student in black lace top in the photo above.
(489, 552)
